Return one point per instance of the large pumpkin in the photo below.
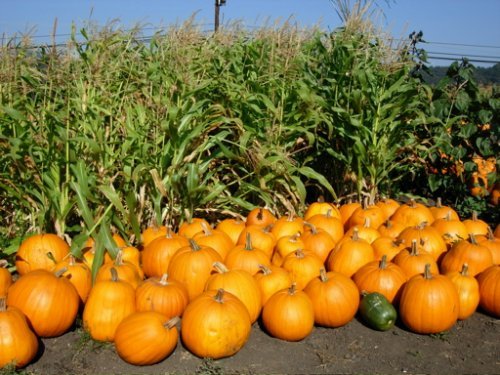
(489, 290)
(109, 302)
(429, 303)
(215, 325)
(334, 297)
(40, 251)
(145, 338)
(49, 301)
(18, 344)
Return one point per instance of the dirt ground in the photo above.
(470, 347)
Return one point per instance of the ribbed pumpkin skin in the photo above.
(150, 233)
(145, 338)
(412, 261)
(489, 290)
(468, 291)
(79, 274)
(381, 276)
(429, 303)
(192, 265)
(303, 266)
(156, 255)
(162, 295)
(232, 227)
(260, 216)
(49, 302)
(239, 283)
(350, 255)
(412, 214)
(334, 297)
(215, 325)
(126, 272)
(18, 344)
(5, 278)
(477, 257)
(289, 315)
(32, 254)
(271, 280)
(109, 302)
(427, 237)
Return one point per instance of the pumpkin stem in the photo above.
(119, 258)
(172, 322)
(248, 242)
(164, 279)
(322, 275)
(293, 289)
(427, 272)
(114, 274)
(474, 215)
(383, 262)
(414, 249)
(355, 234)
(3, 303)
(4, 263)
(312, 227)
(439, 203)
(220, 267)
(465, 270)
(51, 256)
(265, 270)
(194, 245)
(490, 236)
(367, 222)
(72, 260)
(260, 214)
(219, 296)
(472, 239)
(329, 213)
(60, 272)
(299, 253)
(206, 229)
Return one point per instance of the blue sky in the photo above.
(464, 27)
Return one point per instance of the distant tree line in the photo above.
(486, 76)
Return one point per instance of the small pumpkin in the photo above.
(477, 257)
(476, 226)
(329, 223)
(239, 283)
(260, 216)
(468, 291)
(215, 325)
(412, 213)
(334, 297)
(5, 277)
(78, 274)
(429, 303)
(375, 215)
(40, 251)
(216, 239)
(145, 338)
(318, 241)
(18, 344)
(162, 295)
(260, 237)
(190, 227)
(287, 226)
(303, 266)
(377, 311)
(49, 301)
(152, 232)
(289, 315)
(321, 208)
(387, 246)
(109, 302)
(126, 271)
(270, 280)
(232, 227)
(286, 245)
(413, 260)
(440, 212)
(246, 257)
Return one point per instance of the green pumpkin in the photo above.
(377, 311)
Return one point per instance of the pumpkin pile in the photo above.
(207, 284)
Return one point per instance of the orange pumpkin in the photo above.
(371, 214)
(152, 232)
(78, 273)
(109, 302)
(189, 228)
(440, 212)
(387, 246)
(492, 243)
(289, 315)
(412, 214)
(162, 295)
(270, 280)
(476, 226)
(477, 257)
(451, 230)
(260, 216)
(468, 291)
(303, 266)
(192, 265)
(286, 245)
(216, 239)
(318, 241)
(365, 232)
(18, 344)
(413, 260)
(232, 227)
(489, 290)
(5, 278)
(429, 303)
(350, 255)
(335, 299)
(126, 271)
(40, 251)
(321, 208)
(391, 228)
(260, 237)
(384, 277)
(145, 338)
(239, 283)
(246, 257)
(427, 237)
(388, 206)
(155, 257)
(287, 226)
(346, 210)
(329, 223)
(215, 325)
(49, 301)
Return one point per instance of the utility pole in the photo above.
(218, 4)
